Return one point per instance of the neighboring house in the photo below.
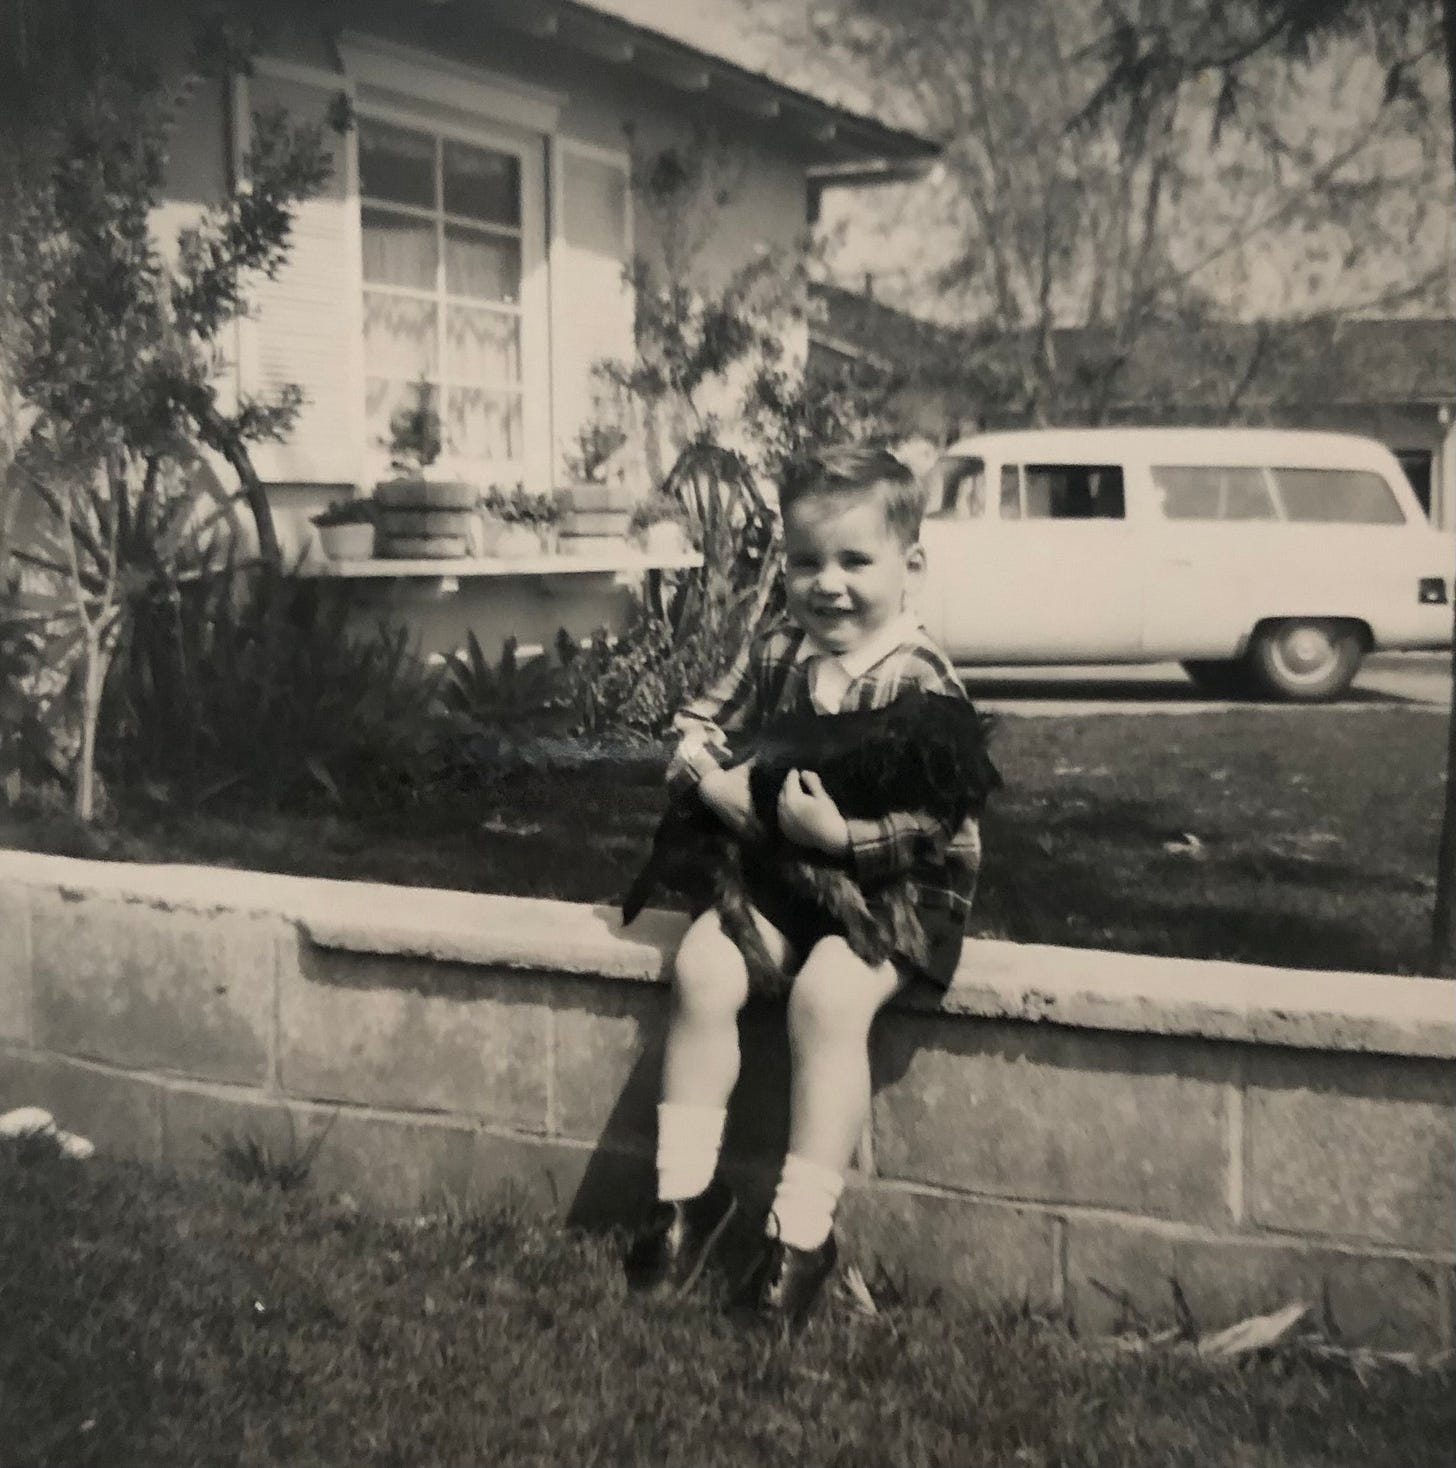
(480, 215)
(1393, 380)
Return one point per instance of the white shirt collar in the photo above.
(859, 660)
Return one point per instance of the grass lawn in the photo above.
(156, 1319)
(1313, 833)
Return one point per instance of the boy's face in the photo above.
(845, 572)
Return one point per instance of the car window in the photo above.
(1074, 492)
(957, 489)
(1011, 492)
(1337, 497)
(1201, 492)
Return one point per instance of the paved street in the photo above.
(1420, 681)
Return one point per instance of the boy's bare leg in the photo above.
(832, 1005)
(710, 986)
(694, 1206)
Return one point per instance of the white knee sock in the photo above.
(688, 1141)
(803, 1206)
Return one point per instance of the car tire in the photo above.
(1222, 677)
(1305, 660)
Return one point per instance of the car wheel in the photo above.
(1223, 677)
(1305, 661)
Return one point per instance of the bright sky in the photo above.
(892, 233)
(715, 25)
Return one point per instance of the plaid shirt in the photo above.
(770, 677)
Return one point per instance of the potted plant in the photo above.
(530, 520)
(425, 512)
(659, 524)
(346, 530)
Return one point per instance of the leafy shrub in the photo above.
(261, 685)
(31, 750)
(516, 693)
(249, 1159)
(691, 625)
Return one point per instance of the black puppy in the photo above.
(924, 752)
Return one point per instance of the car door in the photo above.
(1049, 573)
(1217, 553)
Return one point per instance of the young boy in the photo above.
(852, 558)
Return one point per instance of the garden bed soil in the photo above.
(1303, 838)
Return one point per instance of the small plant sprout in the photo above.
(415, 439)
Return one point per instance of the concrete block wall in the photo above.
(1072, 1129)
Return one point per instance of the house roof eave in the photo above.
(833, 137)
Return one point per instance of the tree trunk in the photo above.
(1443, 931)
(216, 434)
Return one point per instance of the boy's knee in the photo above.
(836, 992)
(709, 975)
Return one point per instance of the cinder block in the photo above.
(1353, 1146)
(1387, 1303)
(607, 1060)
(145, 986)
(121, 1114)
(196, 1125)
(608, 1072)
(1131, 1122)
(388, 1163)
(989, 1253)
(15, 964)
(415, 1035)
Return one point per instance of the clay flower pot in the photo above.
(346, 542)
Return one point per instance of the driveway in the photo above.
(1416, 680)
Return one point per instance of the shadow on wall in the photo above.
(619, 1179)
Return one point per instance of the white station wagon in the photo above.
(1265, 561)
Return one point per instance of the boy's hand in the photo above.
(808, 815)
(726, 794)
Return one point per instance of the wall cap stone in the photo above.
(1037, 983)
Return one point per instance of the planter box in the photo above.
(599, 497)
(424, 547)
(417, 523)
(572, 544)
(596, 522)
(426, 494)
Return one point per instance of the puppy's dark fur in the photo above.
(924, 752)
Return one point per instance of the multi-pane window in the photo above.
(441, 232)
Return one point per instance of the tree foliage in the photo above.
(1278, 189)
(114, 339)
(114, 343)
(1229, 43)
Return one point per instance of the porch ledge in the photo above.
(1079, 988)
(465, 567)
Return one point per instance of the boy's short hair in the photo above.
(853, 469)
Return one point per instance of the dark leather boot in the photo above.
(668, 1251)
(785, 1284)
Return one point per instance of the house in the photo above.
(1393, 380)
(475, 231)
(481, 212)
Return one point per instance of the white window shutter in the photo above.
(305, 325)
(592, 305)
